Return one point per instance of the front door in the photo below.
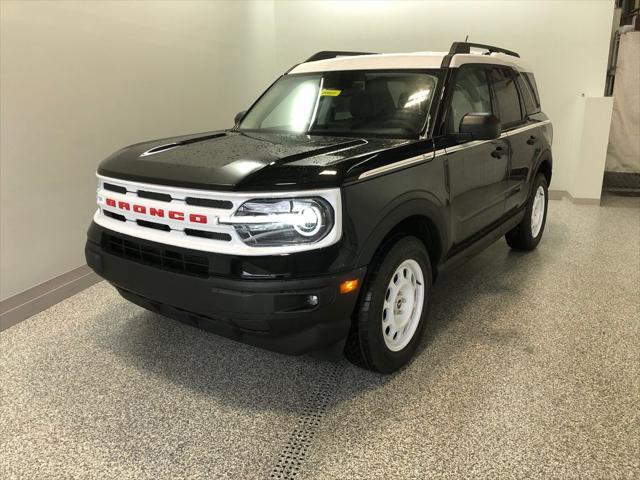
(478, 170)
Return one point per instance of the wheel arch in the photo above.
(543, 165)
(417, 217)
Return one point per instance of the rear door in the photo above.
(526, 141)
(510, 109)
(477, 169)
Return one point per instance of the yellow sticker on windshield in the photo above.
(328, 92)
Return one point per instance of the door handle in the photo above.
(532, 140)
(498, 152)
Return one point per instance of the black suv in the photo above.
(324, 216)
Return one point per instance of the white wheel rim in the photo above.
(537, 212)
(403, 302)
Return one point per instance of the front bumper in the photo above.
(271, 313)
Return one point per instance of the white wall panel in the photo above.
(79, 80)
(592, 148)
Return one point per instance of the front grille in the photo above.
(164, 258)
(138, 207)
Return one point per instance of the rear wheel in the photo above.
(527, 234)
(393, 308)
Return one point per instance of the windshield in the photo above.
(375, 103)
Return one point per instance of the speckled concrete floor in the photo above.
(529, 369)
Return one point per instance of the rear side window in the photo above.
(470, 95)
(506, 95)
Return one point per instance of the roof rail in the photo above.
(465, 47)
(333, 54)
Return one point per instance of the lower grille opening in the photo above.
(163, 258)
(117, 216)
(204, 234)
(157, 226)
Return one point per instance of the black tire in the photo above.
(366, 346)
(521, 237)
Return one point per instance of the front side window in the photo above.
(470, 95)
(349, 103)
(507, 100)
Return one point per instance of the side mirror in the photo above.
(238, 117)
(480, 126)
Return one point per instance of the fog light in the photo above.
(312, 300)
(348, 286)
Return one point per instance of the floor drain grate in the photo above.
(295, 450)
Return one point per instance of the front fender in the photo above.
(410, 204)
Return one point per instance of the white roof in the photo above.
(417, 60)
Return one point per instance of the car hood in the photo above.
(233, 160)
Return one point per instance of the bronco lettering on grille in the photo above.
(156, 212)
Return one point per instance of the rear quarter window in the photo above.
(529, 97)
(531, 82)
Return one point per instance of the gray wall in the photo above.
(82, 79)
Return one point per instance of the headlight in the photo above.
(283, 221)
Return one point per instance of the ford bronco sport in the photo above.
(323, 217)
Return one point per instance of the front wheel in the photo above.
(527, 234)
(393, 307)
